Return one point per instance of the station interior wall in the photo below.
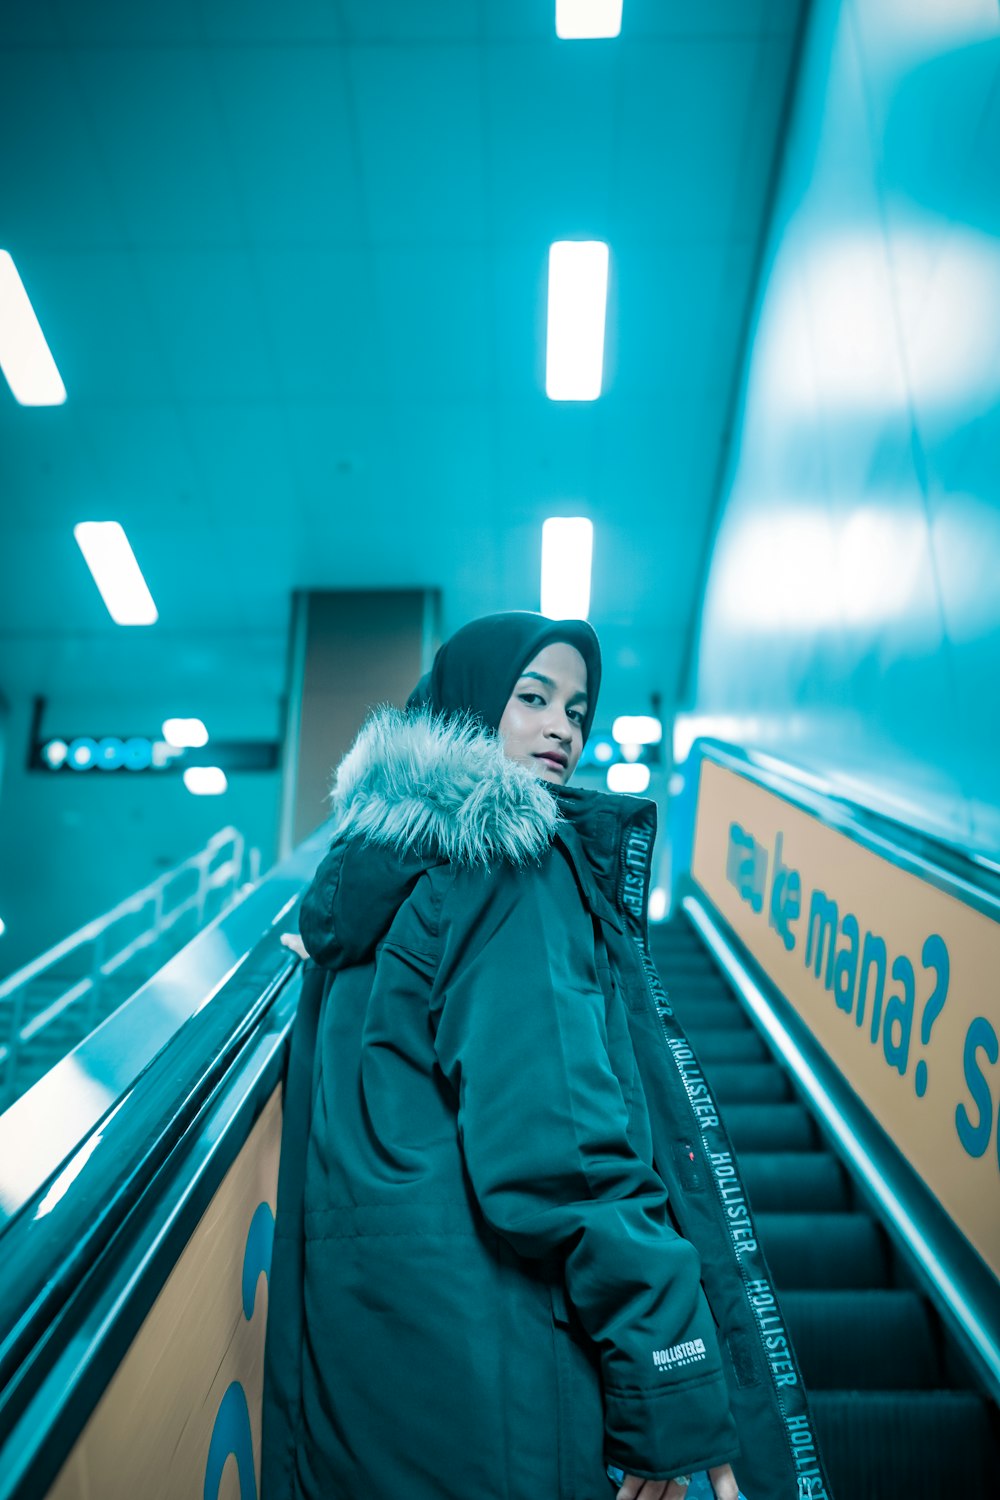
(74, 844)
(850, 621)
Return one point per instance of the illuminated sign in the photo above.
(135, 753)
(82, 753)
(895, 977)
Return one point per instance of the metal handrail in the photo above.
(237, 872)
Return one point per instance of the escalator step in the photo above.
(723, 1046)
(748, 1083)
(828, 1252)
(687, 970)
(881, 1445)
(713, 1012)
(862, 1340)
(769, 1127)
(709, 983)
(794, 1181)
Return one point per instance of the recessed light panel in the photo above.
(115, 571)
(567, 550)
(25, 358)
(576, 19)
(578, 297)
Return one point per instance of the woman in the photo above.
(484, 1281)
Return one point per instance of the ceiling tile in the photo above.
(287, 119)
(54, 188)
(46, 469)
(544, 456)
(336, 447)
(520, 283)
(156, 121)
(98, 323)
(317, 311)
(240, 453)
(143, 466)
(405, 21)
(261, 21)
(420, 123)
(435, 308)
(683, 112)
(207, 308)
(552, 113)
(720, 19)
(665, 301)
(121, 23)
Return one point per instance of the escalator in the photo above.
(896, 1404)
(137, 1206)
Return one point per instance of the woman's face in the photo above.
(542, 725)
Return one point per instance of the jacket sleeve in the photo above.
(520, 1034)
(374, 879)
(318, 925)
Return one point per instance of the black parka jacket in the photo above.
(511, 1242)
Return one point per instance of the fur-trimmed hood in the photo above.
(423, 784)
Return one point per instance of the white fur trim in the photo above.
(421, 783)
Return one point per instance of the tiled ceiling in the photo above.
(291, 263)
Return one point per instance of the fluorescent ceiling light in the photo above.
(185, 734)
(603, 752)
(578, 296)
(116, 572)
(25, 358)
(567, 550)
(637, 729)
(626, 778)
(205, 781)
(588, 18)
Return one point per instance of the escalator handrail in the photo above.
(952, 1275)
(968, 875)
(69, 1184)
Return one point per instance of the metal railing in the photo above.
(85, 977)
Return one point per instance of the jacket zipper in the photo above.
(645, 965)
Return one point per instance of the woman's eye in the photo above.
(524, 697)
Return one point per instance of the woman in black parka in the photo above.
(511, 1245)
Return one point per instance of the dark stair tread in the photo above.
(748, 1082)
(887, 1445)
(725, 1045)
(795, 1181)
(769, 1127)
(711, 1012)
(825, 1252)
(870, 1339)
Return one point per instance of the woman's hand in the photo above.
(298, 947)
(634, 1488)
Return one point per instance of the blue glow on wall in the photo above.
(851, 614)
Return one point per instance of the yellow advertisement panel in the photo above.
(182, 1413)
(899, 981)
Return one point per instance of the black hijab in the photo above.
(476, 669)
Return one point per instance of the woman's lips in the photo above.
(553, 760)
